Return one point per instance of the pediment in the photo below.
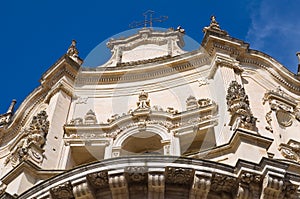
(147, 44)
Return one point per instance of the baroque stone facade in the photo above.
(156, 121)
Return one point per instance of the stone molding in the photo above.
(201, 178)
(169, 119)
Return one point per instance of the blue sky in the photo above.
(34, 34)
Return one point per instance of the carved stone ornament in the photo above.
(221, 183)
(90, 117)
(136, 174)
(249, 185)
(72, 50)
(284, 106)
(34, 138)
(214, 27)
(191, 103)
(291, 150)
(144, 102)
(63, 191)
(268, 118)
(182, 176)
(238, 105)
(284, 118)
(6, 117)
(98, 180)
(76, 121)
(201, 186)
(278, 187)
(202, 81)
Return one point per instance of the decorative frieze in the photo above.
(34, 138)
(220, 183)
(63, 191)
(136, 175)
(181, 176)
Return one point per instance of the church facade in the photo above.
(156, 121)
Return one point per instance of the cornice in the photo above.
(32, 169)
(239, 50)
(240, 135)
(168, 166)
(275, 69)
(112, 75)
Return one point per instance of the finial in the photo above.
(213, 23)
(214, 26)
(72, 50)
(298, 55)
(144, 102)
(143, 96)
(11, 107)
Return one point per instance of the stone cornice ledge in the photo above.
(239, 136)
(32, 169)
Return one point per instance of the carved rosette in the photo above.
(30, 146)
(63, 191)
(238, 106)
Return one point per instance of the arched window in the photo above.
(142, 143)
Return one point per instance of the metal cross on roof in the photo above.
(148, 20)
